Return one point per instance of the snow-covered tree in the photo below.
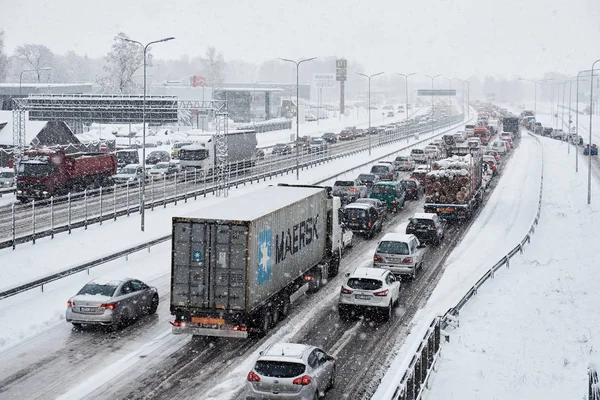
(3, 58)
(214, 63)
(122, 63)
(35, 56)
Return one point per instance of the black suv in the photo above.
(158, 156)
(363, 219)
(426, 227)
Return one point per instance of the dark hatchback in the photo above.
(281, 149)
(414, 190)
(158, 156)
(330, 137)
(363, 219)
(368, 179)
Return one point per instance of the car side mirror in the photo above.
(347, 274)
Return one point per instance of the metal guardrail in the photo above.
(93, 208)
(111, 257)
(268, 126)
(416, 376)
(593, 384)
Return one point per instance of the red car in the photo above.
(346, 135)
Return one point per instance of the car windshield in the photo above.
(355, 213)
(416, 151)
(383, 189)
(128, 171)
(193, 155)
(367, 177)
(343, 183)
(364, 284)
(279, 369)
(35, 169)
(94, 289)
(401, 159)
(379, 169)
(7, 174)
(390, 247)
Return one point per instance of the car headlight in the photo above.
(19, 192)
(132, 178)
(44, 193)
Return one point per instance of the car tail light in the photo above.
(240, 328)
(70, 304)
(377, 258)
(409, 226)
(345, 291)
(433, 228)
(252, 377)
(303, 380)
(381, 293)
(369, 224)
(353, 189)
(407, 260)
(109, 306)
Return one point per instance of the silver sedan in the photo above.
(111, 303)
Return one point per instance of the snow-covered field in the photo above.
(502, 223)
(532, 332)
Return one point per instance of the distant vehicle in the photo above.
(372, 131)
(330, 137)
(46, 172)
(7, 178)
(427, 227)
(510, 124)
(367, 290)
(378, 204)
(113, 303)
(593, 151)
(449, 140)
(491, 162)
(414, 190)
(390, 114)
(310, 118)
(500, 146)
(392, 194)
(290, 371)
(129, 174)
(363, 219)
(400, 254)
(419, 173)
(157, 156)
(349, 191)
(281, 149)
(404, 163)
(469, 129)
(175, 149)
(360, 133)
(483, 134)
(303, 141)
(419, 156)
(346, 135)
(474, 142)
(459, 137)
(318, 146)
(384, 171)
(367, 179)
(433, 152)
(127, 156)
(492, 153)
(577, 140)
(162, 170)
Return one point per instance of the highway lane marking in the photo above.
(345, 339)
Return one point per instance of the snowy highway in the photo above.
(160, 365)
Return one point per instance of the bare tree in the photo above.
(35, 55)
(122, 62)
(3, 58)
(214, 63)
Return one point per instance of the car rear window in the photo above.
(93, 289)
(364, 284)
(402, 159)
(416, 151)
(353, 213)
(343, 183)
(366, 177)
(279, 369)
(382, 189)
(388, 247)
(379, 168)
(409, 184)
(421, 222)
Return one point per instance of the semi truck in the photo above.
(453, 188)
(46, 172)
(510, 124)
(201, 155)
(237, 266)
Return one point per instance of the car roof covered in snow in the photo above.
(396, 237)
(362, 272)
(423, 215)
(285, 351)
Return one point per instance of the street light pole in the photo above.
(432, 106)
(535, 83)
(468, 99)
(143, 182)
(589, 195)
(29, 70)
(577, 115)
(297, 64)
(369, 105)
(406, 91)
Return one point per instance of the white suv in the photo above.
(419, 156)
(369, 289)
(399, 253)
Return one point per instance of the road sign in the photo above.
(324, 80)
(340, 69)
(441, 92)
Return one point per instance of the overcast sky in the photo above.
(457, 38)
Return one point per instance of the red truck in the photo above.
(46, 172)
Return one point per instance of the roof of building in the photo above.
(32, 128)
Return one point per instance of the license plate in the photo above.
(87, 309)
(422, 230)
(208, 321)
(445, 209)
(362, 297)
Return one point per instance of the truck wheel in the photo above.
(265, 322)
(334, 266)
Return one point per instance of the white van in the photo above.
(500, 147)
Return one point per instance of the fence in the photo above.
(268, 126)
(416, 375)
(31, 221)
(147, 245)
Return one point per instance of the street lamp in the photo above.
(535, 82)
(30, 70)
(432, 106)
(406, 78)
(450, 82)
(369, 130)
(297, 63)
(468, 90)
(143, 184)
(589, 196)
(577, 113)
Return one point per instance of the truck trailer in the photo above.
(237, 266)
(453, 188)
(201, 155)
(46, 172)
(510, 124)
